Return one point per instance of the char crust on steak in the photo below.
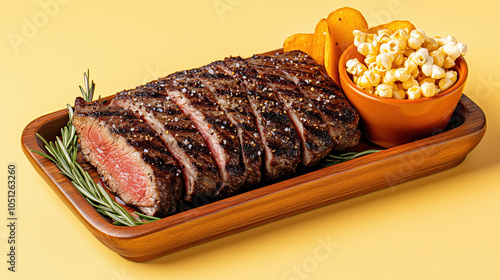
(231, 97)
(281, 142)
(180, 136)
(129, 156)
(312, 79)
(215, 129)
(309, 123)
(219, 133)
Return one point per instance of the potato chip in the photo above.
(334, 34)
(299, 41)
(393, 26)
(318, 46)
(342, 22)
(332, 57)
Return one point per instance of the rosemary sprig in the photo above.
(88, 92)
(334, 159)
(63, 152)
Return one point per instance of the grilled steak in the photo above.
(231, 97)
(219, 133)
(129, 156)
(182, 139)
(323, 92)
(281, 143)
(309, 124)
(217, 128)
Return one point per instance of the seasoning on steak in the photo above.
(222, 126)
(129, 156)
(307, 120)
(219, 133)
(281, 143)
(179, 134)
(323, 92)
(231, 97)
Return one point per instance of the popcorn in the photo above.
(414, 92)
(414, 43)
(359, 37)
(384, 90)
(437, 72)
(420, 56)
(404, 65)
(449, 39)
(462, 48)
(384, 61)
(401, 36)
(426, 80)
(448, 80)
(410, 64)
(452, 75)
(427, 66)
(438, 57)
(448, 63)
(398, 59)
(417, 38)
(355, 67)
(430, 44)
(428, 89)
(369, 79)
(363, 48)
(399, 94)
(402, 74)
(390, 77)
(409, 83)
(445, 83)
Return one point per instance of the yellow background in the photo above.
(445, 226)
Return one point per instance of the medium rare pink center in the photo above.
(120, 164)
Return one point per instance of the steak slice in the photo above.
(179, 134)
(307, 120)
(219, 133)
(323, 92)
(129, 156)
(231, 97)
(281, 143)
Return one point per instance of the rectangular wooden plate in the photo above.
(307, 190)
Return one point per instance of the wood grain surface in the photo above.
(206, 219)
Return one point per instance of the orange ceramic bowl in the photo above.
(392, 122)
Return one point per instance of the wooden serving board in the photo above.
(307, 190)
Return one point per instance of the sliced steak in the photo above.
(281, 143)
(183, 140)
(323, 92)
(222, 126)
(231, 97)
(307, 120)
(219, 133)
(129, 156)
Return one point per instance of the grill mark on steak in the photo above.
(219, 133)
(175, 129)
(215, 122)
(309, 124)
(231, 97)
(129, 156)
(329, 98)
(281, 143)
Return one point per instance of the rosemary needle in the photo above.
(63, 151)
